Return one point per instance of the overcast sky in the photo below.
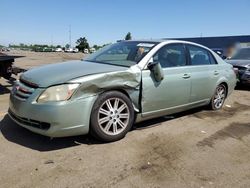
(105, 21)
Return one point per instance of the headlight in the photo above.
(57, 93)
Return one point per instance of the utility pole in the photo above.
(52, 42)
(69, 35)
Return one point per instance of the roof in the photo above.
(166, 41)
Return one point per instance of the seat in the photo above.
(199, 59)
(173, 59)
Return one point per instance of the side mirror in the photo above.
(156, 70)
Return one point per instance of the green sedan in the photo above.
(119, 85)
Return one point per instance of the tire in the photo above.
(218, 98)
(7, 76)
(112, 116)
(7, 72)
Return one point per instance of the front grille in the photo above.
(23, 90)
(28, 84)
(30, 122)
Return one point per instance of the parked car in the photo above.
(220, 52)
(59, 50)
(86, 51)
(48, 49)
(4, 49)
(72, 50)
(6, 66)
(107, 93)
(92, 50)
(241, 61)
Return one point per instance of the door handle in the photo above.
(216, 73)
(186, 76)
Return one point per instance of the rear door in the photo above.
(204, 73)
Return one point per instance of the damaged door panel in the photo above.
(128, 81)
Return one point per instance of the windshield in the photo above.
(126, 53)
(243, 53)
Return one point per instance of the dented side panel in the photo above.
(128, 81)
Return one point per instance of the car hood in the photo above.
(239, 62)
(59, 73)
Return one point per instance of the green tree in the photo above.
(67, 46)
(128, 36)
(82, 43)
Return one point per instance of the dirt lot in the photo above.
(198, 148)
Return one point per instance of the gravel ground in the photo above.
(197, 148)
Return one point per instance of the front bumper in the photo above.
(245, 78)
(54, 119)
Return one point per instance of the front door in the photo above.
(173, 91)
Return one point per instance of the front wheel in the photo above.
(112, 116)
(219, 97)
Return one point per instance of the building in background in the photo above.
(226, 45)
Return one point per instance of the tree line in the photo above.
(81, 44)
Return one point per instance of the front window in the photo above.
(171, 55)
(126, 53)
(243, 53)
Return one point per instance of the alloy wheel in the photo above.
(219, 96)
(113, 116)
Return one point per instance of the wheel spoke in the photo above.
(115, 128)
(116, 104)
(103, 120)
(221, 92)
(121, 123)
(103, 111)
(109, 105)
(215, 100)
(123, 116)
(121, 108)
(107, 127)
(218, 103)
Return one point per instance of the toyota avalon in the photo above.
(119, 85)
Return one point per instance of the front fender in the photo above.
(128, 81)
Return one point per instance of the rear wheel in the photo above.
(112, 116)
(219, 97)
